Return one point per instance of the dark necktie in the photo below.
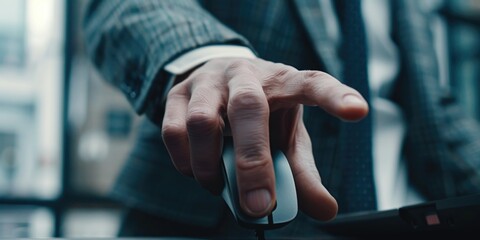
(357, 192)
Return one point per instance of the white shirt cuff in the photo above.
(198, 56)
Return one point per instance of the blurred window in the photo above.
(31, 92)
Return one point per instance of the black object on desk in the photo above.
(452, 217)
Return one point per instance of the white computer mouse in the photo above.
(286, 208)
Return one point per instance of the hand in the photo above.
(259, 102)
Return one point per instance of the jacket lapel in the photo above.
(324, 144)
(315, 24)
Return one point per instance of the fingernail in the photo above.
(353, 100)
(258, 201)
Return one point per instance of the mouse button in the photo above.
(286, 198)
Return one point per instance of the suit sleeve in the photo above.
(130, 41)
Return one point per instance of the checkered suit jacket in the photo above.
(131, 40)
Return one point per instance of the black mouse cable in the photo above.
(260, 234)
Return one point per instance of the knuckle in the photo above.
(283, 72)
(174, 92)
(201, 121)
(278, 76)
(253, 160)
(172, 132)
(283, 68)
(239, 63)
(247, 98)
(314, 75)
